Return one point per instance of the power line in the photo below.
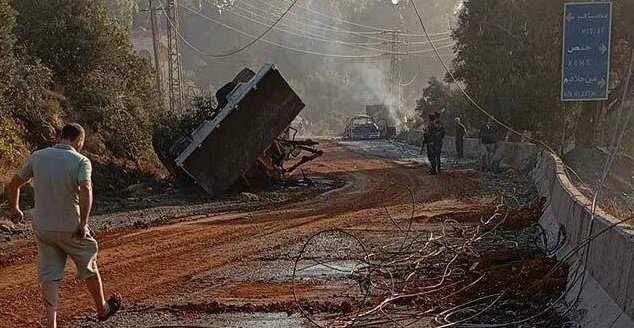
(464, 92)
(326, 28)
(309, 22)
(614, 147)
(313, 36)
(309, 33)
(203, 53)
(333, 28)
(619, 132)
(381, 39)
(377, 30)
(411, 81)
(317, 38)
(252, 42)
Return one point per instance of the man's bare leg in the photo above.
(50, 291)
(96, 290)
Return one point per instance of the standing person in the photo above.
(432, 139)
(488, 138)
(461, 130)
(63, 200)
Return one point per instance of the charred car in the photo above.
(362, 127)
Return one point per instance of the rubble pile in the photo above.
(7, 231)
(460, 273)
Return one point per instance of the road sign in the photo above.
(586, 51)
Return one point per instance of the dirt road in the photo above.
(204, 256)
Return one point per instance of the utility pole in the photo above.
(174, 57)
(395, 91)
(157, 53)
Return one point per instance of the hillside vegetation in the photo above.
(64, 60)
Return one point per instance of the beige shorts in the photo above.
(53, 248)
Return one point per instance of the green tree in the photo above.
(107, 87)
(440, 97)
(509, 59)
(506, 56)
(7, 21)
(435, 97)
(123, 11)
(11, 146)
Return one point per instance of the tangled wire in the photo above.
(454, 274)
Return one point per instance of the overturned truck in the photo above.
(246, 136)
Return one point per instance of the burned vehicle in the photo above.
(361, 127)
(381, 116)
(246, 136)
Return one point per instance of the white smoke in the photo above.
(376, 88)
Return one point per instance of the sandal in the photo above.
(114, 304)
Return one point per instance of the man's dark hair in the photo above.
(72, 131)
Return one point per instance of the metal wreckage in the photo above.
(246, 137)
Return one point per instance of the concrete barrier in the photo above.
(606, 296)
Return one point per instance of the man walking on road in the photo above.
(488, 138)
(432, 139)
(63, 200)
(461, 130)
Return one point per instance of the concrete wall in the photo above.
(607, 294)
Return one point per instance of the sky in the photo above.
(335, 54)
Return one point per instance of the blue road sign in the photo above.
(586, 51)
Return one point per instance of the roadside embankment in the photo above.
(601, 288)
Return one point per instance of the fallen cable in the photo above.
(419, 272)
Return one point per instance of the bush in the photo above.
(91, 65)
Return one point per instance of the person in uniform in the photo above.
(488, 139)
(432, 139)
(460, 133)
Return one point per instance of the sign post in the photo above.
(586, 51)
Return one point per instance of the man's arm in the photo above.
(85, 206)
(13, 193)
(85, 197)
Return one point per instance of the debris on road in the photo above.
(249, 197)
(246, 136)
(458, 273)
(5, 228)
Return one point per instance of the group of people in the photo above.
(435, 133)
